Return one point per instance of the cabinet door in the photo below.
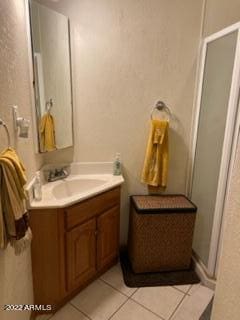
(81, 254)
(108, 237)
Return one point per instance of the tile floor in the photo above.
(108, 298)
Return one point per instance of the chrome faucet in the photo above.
(57, 174)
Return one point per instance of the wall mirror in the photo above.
(52, 77)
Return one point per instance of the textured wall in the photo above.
(126, 55)
(220, 14)
(226, 303)
(15, 272)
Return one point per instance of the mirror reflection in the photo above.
(52, 77)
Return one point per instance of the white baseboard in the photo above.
(202, 273)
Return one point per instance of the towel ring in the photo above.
(161, 106)
(6, 129)
(49, 105)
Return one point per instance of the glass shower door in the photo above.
(213, 116)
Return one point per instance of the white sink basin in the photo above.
(71, 187)
(75, 188)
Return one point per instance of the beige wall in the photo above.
(218, 15)
(15, 272)
(226, 302)
(126, 55)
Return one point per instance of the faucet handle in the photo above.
(57, 172)
(65, 172)
(51, 175)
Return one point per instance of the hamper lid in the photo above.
(163, 203)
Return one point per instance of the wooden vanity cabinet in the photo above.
(81, 254)
(73, 246)
(108, 237)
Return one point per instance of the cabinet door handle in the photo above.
(96, 232)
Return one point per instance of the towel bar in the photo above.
(49, 105)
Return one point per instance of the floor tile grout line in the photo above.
(160, 317)
(79, 310)
(134, 292)
(180, 290)
(119, 308)
(178, 306)
(188, 292)
(117, 289)
(184, 292)
(190, 287)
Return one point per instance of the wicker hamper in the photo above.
(160, 233)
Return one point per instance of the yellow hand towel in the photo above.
(155, 169)
(47, 132)
(13, 214)
(10, 158)
(3, 235)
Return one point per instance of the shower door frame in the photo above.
(229, 142)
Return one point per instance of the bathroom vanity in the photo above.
(73, 244)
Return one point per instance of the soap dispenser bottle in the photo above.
(37, 187)
(117, 165)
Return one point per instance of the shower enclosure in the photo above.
(214, 143)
